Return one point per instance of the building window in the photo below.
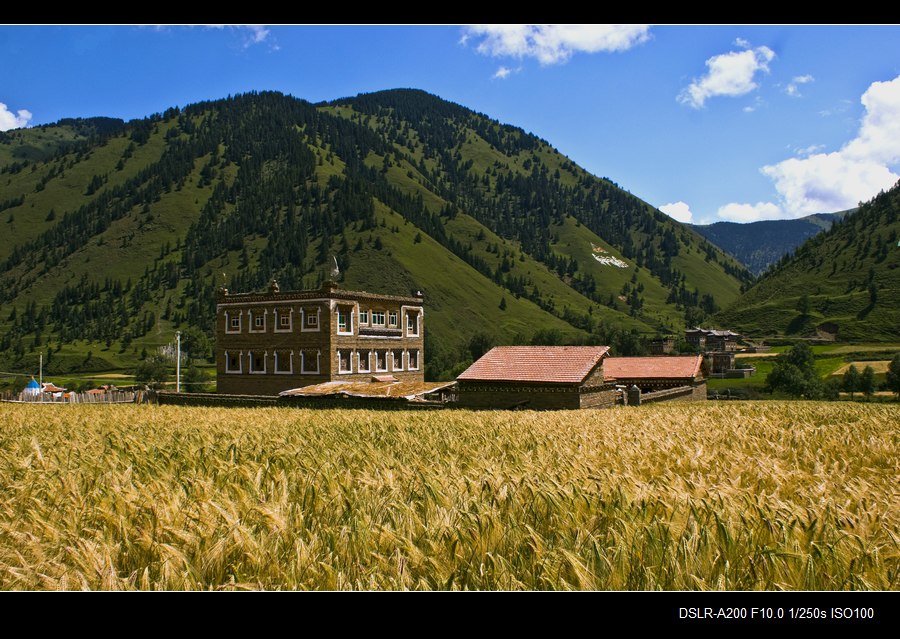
(377, 318)
(345, 321)
(258, 322)
(257, 362)
(309, 362)
(233, 322)
(363, 365)
(344, 359)
(381, 361)
(397, 360)
(364, 317)
(412, 323)
(284, 320)
(284, 362)
(233, 362)
(392, 319)
(310, 319)
(412, 359)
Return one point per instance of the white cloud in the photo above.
(827, 182)
(553, 43)
(730, 74)
(252, 33)
(503, 72)
(879, 134)
(749, 109)
(792, 89)
(258, 33)
(809, 150)
(735, 212)
(740, 42)
(678, 211)
(10, 120)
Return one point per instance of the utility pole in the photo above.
(178, 362)
(41, 370)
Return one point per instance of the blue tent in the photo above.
(33, 387)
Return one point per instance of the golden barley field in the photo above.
(766, 495)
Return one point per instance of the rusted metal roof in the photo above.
(383, 389)
(652, 367)
(549, 364)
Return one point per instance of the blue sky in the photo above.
(709, 123)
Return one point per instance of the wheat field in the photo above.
(766, 495)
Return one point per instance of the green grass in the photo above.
(455, 297)
(837, 272)
(460, 302)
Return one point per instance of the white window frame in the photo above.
(304, 316)
(240, 368)
(290, 370)
(280, 315)
(345, 371)
(363, 318)
(265, 359)
(393, 318)
(394, 360)
(303, 370)
(253, 317)
(412, 326)
(383, 318)
(409, 365)
(229, 318)
(359, 361)
(385, 369)
(349, 323)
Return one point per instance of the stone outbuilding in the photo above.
(537, 377)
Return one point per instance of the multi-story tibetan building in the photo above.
(270, 342)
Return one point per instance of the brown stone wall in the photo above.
(699, 394)
(267, 340)
(692, 393)
(508, 395)
(605, 398)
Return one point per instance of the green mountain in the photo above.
(843, 282)
(759, 245)
(116, 236)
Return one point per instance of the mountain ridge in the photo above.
(758, 245)
(112, 245)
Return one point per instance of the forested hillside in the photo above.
(116, 235)
(759, 245)
(843, 283)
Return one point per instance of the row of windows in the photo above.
(309, 320)
(376, 319)
(282, 361)
(363, 360)
(308, 362)
(284, 320)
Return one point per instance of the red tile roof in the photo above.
(554, 364)
(686, 367)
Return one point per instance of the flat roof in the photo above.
(383, 389)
